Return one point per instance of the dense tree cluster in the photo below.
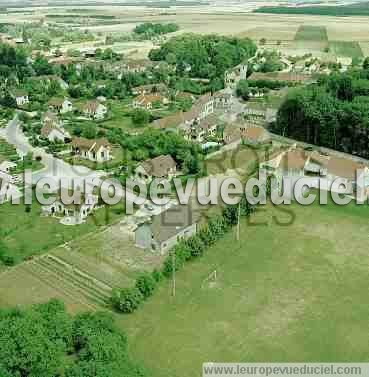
(13, 62)
(151, 30)
(334, 113)
(46, 341)
(153, 143)
(204, 56)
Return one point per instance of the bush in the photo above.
(196, 246)
(146, 285)
(157, 275)
(126, 300)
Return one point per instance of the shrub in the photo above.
(157, 275)
(126, 300)
(196, 246)
(146, 285)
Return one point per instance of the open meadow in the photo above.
(292, 288)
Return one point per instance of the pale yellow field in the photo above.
(215, 20)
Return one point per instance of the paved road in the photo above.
(54, 167)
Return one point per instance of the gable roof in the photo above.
(90, 144)
(254, 133)
(280, 76)
(158, 167)
(57, 102)
(19, 93)
(294, 159)
(49, 117)
(171, 222)
(338, 166)
(91, 106)
(209, 122)
(145, 99)
(170, 121)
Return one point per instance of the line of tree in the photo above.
(46, 341)
(127, 300)
(334, 113)
(359, 9)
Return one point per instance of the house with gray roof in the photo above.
(162, 232)
(161, 167)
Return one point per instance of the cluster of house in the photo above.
(296, 163)
(322, 64)
(95, 150)
(200, 122)
(149, 96)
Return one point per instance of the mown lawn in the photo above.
(346, 49)
(27, 233)
(296, 291)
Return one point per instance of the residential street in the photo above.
(54, 167)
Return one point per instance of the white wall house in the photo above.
(322, 169)
(96, 150)
(95, 110)
(52, 128)
(72, 214)
(7, 166)
(21, 97)
(61, 105)
(8, 190)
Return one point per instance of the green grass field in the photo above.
(287, 292)
(27, 233)
(346, 49)
(311, 33)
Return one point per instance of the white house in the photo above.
(165, 230)
(233, 76)
(163, 167)
(95, 110)
(21, 97)
(97, 150)
(203, 107)
(223, 99)
(296, 163)
(52, 128)
(8, 190)
(200, 130)
(71, 214)
(7, 166)
(147, 101)
(60, 105)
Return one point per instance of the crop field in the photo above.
(81, 272)
(291, 289)
(311, 33)
(346, 49)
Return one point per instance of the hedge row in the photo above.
(127, 300)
